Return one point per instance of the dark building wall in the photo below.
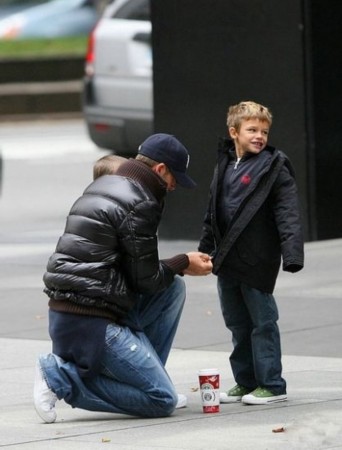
(326, 75)
(209, 55)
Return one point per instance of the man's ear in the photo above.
(159, 169)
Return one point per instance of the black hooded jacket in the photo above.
(264, 223)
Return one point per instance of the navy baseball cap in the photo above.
(165, 148)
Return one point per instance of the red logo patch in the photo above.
(245, 179)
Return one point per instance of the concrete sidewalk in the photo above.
(311, 419)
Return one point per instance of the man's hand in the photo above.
(199, 264)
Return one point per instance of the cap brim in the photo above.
(184, 180)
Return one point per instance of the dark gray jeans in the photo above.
(251, 315)
(133, 379)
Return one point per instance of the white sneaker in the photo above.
(182, 401)
(225, 398)
(44, 398)
(234, 394)
(262, 396)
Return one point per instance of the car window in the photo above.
(21, 2)
(134, 10)
(9, 7)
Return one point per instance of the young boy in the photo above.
(252, 221)
(107, 165)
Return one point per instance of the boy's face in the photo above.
(251, 137)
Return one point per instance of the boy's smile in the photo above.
(251, 137)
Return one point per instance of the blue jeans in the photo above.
(133, 379)
(251, 315)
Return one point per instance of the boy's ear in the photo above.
(232, 132)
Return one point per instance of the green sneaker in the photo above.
(262, 396)
(234, 395)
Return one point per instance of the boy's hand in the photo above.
(199, 264)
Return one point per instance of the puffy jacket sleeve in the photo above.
(138, 240)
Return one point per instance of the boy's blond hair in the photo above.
(107, 165)
(245, 111)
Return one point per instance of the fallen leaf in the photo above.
(278, 430)
(106, 440)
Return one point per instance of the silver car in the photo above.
(118, 83)
(50, 19)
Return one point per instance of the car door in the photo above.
(123, 62)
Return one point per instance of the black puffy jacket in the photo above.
(109, 250)
(265, 227)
